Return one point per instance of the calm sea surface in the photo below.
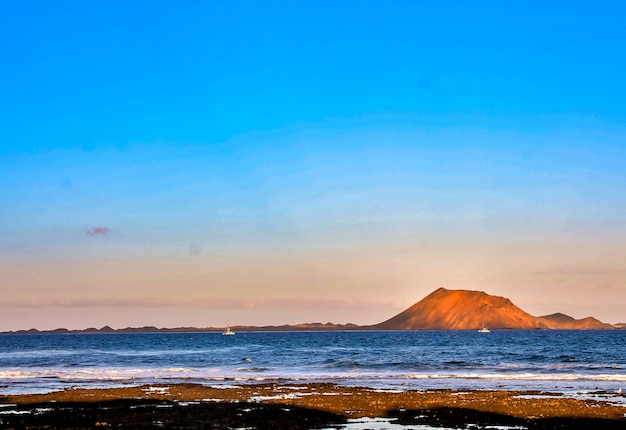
(573, 362)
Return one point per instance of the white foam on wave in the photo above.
(97, 374)
(213, 374)
(521, 376)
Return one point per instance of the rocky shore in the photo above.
(305, 406)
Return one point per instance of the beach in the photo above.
(303, 406)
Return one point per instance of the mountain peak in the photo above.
(445, 309)
(558, 318)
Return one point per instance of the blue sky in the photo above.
(113, 73)
(326, 150)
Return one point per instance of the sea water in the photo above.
(577, 363)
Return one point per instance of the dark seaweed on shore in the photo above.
(156, 414)
(463, 418)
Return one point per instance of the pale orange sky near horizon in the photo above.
(360, 285)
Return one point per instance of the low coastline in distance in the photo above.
(441, 310)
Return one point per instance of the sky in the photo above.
(200, 163)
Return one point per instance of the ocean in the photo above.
(576, 363)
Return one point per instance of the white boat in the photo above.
(228, 332)
(484, 330)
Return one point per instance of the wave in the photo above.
(252, 369)
(103, 374)
(95, 374)
(523, 376)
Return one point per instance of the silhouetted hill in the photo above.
(558, 318)
(152, 329)
(565, 322)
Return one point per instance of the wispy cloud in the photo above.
(98, 231)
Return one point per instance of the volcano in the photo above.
(470, 310)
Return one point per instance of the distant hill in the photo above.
(469, 310)
(441, 310)
(558, 318)
(565, 322)
(152, 329)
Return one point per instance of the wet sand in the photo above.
(304, 406)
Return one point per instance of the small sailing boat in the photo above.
(227, 331)
(484, 329)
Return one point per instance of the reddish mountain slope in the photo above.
(461, 310)
(470, 310)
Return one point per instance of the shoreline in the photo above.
(292, 405)
(288, 328)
